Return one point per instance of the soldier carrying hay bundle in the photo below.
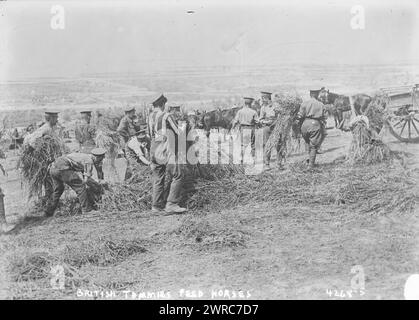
(283, 129)
(40, 149)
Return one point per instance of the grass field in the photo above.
(262, 249)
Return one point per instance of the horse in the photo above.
(217, 119)
(341, 103)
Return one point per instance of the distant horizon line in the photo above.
(191, 68)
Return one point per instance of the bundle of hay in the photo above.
(284, 133)
(34, 162)
(376, 112)
(134, 194)
(29, 267)
(102, 252)
(109, 140)
(366, 147)
(211, 233)
(374, 188)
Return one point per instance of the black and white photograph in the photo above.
(233, 151)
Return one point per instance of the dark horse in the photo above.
(341, 103)
(217, 119)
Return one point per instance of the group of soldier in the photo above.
(149, 146)
(311, 120)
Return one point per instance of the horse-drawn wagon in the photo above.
(403, 112)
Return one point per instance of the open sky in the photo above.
(148, 36)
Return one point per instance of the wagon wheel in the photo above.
(404, 124)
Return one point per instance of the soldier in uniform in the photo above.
(311, 117)
(137, 148)
(164, 160)
(246, 117)
(86, 133)
(267, 117)
(75, 170)
(128, 125)
(51, 128)
(127, 129)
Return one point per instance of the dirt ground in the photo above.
(287, 253)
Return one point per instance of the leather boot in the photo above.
(312, 157)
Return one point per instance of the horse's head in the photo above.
(323, 96)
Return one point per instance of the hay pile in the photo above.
(376, 112)
(284, 133)
(34, 162)
(383, 187)
(37, 265)
(102, 252)
(136, 193)
(211, 233)
(366, 147)
(34, 266)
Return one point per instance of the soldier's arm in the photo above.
(256, 119)
(262, 113)
(99, 170)
(150, 126)
(137, 126)
(173, 124)
(236, 119)
(123, 129)
(78, 134)
(323, 116)
(301, 114)
(87, 171)
(142, 158)
(92, 131)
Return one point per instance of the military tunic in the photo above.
(247, 118)
(166, 170)
(268, 115)
(45, 129)
(313, 114)
(128, 129)
(85, 135)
